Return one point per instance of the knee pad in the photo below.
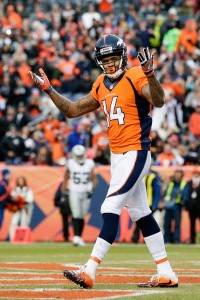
(148, 225)
(110, 227)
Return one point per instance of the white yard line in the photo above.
(38, 273)
(132, 294)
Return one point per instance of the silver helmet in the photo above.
(78, 153)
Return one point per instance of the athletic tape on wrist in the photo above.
(149, 73)
(49, 90)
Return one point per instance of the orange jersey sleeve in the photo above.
(96, 85)
(126, 111)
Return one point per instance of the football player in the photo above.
(126, 97)
(80, 180)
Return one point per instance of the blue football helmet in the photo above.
(111, 45)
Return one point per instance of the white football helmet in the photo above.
(78, 153)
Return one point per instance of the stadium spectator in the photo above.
(38, 139)
(84, 84)
(22, 205)
(34, 104)
(50, 127)
(194, 122)
(172, 21)
(170, 39)
(193, 203)
(175, 198)
(26, 135)
(166, 158)
(13, 146)
(20, 93)
(105, 7)
(2, 106)
(165, 131)
(89, 16)
(171, 112)
(192, 99)
(57, 149)
(83, 64)
(6, 88)
(5, 191)
(43, 156)
(76, 137)
(155, 40)
(100, 143)
(173, 140)
(12, 20)
(192, 156)
(61, 200)
(187, 41)
(87, 129)
(6, 120)
(22, 116)
(144, 33)
(156, 142)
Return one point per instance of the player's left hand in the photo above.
(146, 61)
(41, 81)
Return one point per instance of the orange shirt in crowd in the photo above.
(67, 68)
(105, 6)
(57, 149)
(100, 140)
(165, 159)
(188, 37)
(174, 87)
(23, 70)
(50, 128)
(13, 20)
(194, 123)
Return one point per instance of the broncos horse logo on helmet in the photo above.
(111, 45)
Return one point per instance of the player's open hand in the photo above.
(41, 81)
(146, 61)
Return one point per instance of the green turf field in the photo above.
(132, 259)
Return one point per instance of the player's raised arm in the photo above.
(69, 108)
(153, 92)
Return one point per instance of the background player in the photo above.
(80, 180)
(126, 98)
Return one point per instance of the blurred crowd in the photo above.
(59, 36)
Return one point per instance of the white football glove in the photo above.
(146, 61)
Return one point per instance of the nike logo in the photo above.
(160, 283)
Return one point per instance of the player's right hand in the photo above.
(41, 81)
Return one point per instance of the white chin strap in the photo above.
(116, 74)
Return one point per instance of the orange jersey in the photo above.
(127, 112)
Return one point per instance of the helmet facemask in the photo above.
(111, 45)
(120, 69)
(78, 153)
(80, 159)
